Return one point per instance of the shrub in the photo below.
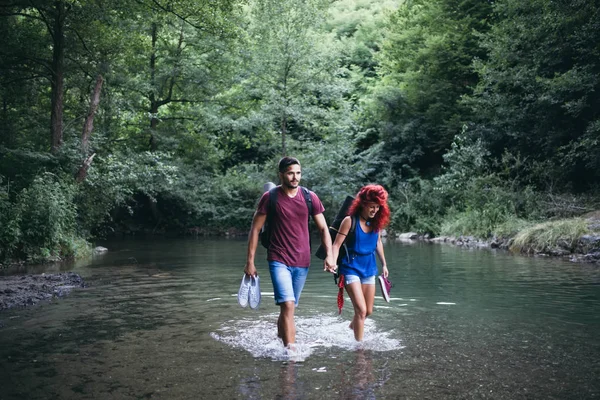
(47, 218)
(75, 247)
(482, 223)
(468, 222)
(417, 205)
(232, 198)
(10, 232)
(116, 179)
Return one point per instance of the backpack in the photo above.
(265, 233)
(333, 231)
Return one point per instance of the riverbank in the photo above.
(28, 290)
(577, 240)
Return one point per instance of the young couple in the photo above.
(289, 250)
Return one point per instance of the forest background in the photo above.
(160, 116)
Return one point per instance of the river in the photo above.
(160, 320)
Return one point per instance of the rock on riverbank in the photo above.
(27, 290)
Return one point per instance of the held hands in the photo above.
(329, 264)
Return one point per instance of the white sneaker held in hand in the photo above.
(244, 291)
(254, 295)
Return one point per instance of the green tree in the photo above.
(37, 36)
(360, 26)
(539, 91)
(291, 67)
(425, 69)
(156, 56)
(171, 66)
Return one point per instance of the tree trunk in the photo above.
(82, 173)
(6, 123)
(57, 79)
(283, 132)
(164, 95)
(88, 125)
(153, 98)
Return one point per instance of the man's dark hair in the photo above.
(285, 162)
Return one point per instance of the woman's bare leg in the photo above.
(369, 295)
(360, 309)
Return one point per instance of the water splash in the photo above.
(259, 337)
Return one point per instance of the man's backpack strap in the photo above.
(272, 204)
(265, 236)
(308, 199)
(309, 204)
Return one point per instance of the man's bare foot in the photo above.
(351, 325)
(291, 348)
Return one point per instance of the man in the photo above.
(289, 249)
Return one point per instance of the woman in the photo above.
(358, 268)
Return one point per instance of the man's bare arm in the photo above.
(329, 263)
(257, 223)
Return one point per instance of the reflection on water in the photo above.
(291, 387)
(355, 378)
(460, 324)
(359, 381)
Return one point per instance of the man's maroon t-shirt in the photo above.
(290, 240)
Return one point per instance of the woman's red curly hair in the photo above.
(372, 194)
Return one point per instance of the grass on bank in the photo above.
(526, 236)
(550, 235)
(482, 224)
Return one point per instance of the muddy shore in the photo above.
(28, 290)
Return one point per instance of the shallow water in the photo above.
(161, 320)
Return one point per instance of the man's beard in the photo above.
(291, 185)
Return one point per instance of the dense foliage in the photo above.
(479, 117)
(537, 96)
